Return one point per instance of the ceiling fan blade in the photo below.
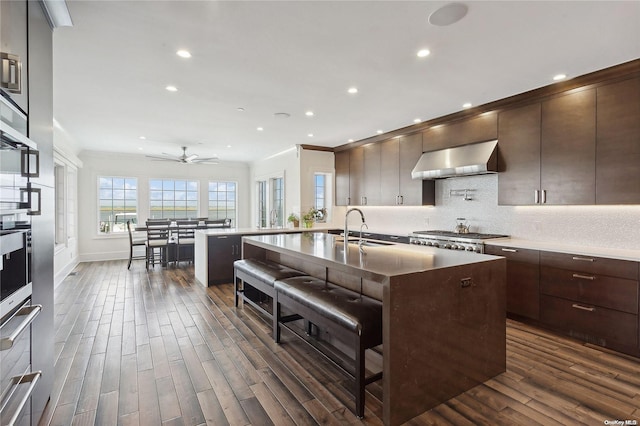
(200, 160)
(190, 158)
(157, 158)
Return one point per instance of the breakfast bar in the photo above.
(439, 307)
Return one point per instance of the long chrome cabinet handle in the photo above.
(18, 380)
(544, 196)
(536, 196)
(583, 308)
(584, 277)
(583, 259)
(508, 250)
(30, 313)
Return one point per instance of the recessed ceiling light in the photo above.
(228, 146)
(183, 53)
(259, 129)
(448, 14)
(142, 137)
(350, 140)
(240, 109)
(172, 88)
(310, 135)
(559, 77)
(417, 120)
(466, 105)
(353, 90)
(309, 113)
(379, 132)
(423, 53)
(140, 148)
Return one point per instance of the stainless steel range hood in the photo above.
(473, 159)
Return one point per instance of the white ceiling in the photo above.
(112, 66)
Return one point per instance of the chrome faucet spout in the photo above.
(346, 228)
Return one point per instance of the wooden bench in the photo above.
(352, 318)
(259, 274)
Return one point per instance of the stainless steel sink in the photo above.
(367, 243)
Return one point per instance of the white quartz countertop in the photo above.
(621, 254)
(262, 231)
(383, 260)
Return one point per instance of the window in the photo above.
(222, 201)
(59, 186)
(320, 193)
(118, 203)
(276, 214)
(262, 203)
(173, 198)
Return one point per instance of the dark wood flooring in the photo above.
(138, 348)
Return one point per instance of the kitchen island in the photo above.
(444, 325)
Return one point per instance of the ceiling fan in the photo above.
(184, 158)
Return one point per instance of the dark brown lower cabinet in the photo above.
(223, 251)
(523, 278)
(591, 298)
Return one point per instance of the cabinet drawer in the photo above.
(602, 326)
(515, 254)
(609, 292)
(590, 264)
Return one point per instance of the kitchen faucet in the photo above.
(346, 228)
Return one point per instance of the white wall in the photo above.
(93, 246)
(312, 162)
(594, 226)
(284, 164)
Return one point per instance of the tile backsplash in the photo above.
(594, 226)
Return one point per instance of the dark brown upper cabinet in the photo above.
(390, 171)
(480, 128)
(547, 151)
(519, 155)
(356, 176)
(568, 149)
(618, 143)
(371, 174)
(411, 190)
(342, 178)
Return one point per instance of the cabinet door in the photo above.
(390, 172)
(371, 175)
(523, 280)
(618, 143)
(223, 251)
(13, 40)
(480, 128)
(342, 178)
(519, 155)
(410, 152)
(568, 148)
(356, 176)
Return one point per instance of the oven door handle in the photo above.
(29, 313)
(18, 380)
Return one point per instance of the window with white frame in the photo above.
(173, 198)
(72, 202)
(261, 190)
(59, 174)
(320, 194)
(222, 201)
(118, 202)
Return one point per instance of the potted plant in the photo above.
(313, 215)
(294, 219)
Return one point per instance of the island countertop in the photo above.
(261, 231)
(381, 260)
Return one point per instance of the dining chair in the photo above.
(157, 239)
(185, 240)
(135, 241)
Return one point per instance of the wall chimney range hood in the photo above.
(473, 159)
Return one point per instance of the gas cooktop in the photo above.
(451, 234)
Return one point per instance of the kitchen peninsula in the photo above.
(439, 307)
(216, 249)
